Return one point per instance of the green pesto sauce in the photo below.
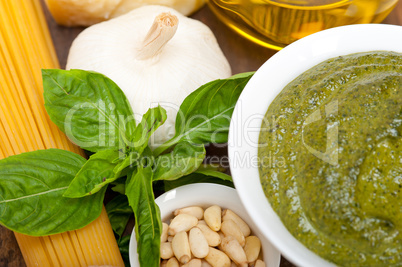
(331, 154)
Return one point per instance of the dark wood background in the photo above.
(242, 54)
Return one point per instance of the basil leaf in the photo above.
(214, 171)
(119, 213)
(151, 121)
(31, 189)
(119, 185)
(126, 162)
(195, 178)
(216, 174)
(184, 159)
(204, 116)
(97, 172)
(119, 188)
(89, 108)
(148, 225)
(124, 245)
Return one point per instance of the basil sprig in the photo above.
(95, 114)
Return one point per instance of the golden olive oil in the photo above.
(277, 23)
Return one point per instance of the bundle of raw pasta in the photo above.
(26, 48)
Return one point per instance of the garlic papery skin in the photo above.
(185, 7)
(89, 12)
(152, 71)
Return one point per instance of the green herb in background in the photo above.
(196, 178)
(124, 245)
(93, 112)
(119, 213)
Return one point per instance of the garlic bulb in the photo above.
(158, 64)
(185, 7)
(89, 12)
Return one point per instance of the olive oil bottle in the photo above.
(277, 23)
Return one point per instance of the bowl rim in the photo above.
(254, 101)
(207, 192)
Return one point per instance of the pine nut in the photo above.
(198, 243)
(166, 250)
(230, 215)
(217, 258)
(259, 263)
(204, 263)
(233, 249)
(230, 228)
(172, 262)
(213, 217)
(181, 247)
(193, 263)
(197, 212)
(164, 234)
(252, 248)
(212, 237)
(182, 222)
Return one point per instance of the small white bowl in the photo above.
(253, 103)
(205, 195)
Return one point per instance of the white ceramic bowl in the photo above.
(203, 194)
(253, 103)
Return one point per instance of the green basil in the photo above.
(31, 189)
(193, 178)
(130, 161)
(213, 171)
(184, 159)
(95, 114)
(124, 245)
(119, 213)
(150, 122)
(204, 116)
(97, 172)
(119, 188)
(88, 107)
(216, 174)
(148, 225)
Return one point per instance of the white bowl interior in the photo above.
(253, 103)
(204, 194)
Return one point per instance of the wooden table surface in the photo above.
(242, 54)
